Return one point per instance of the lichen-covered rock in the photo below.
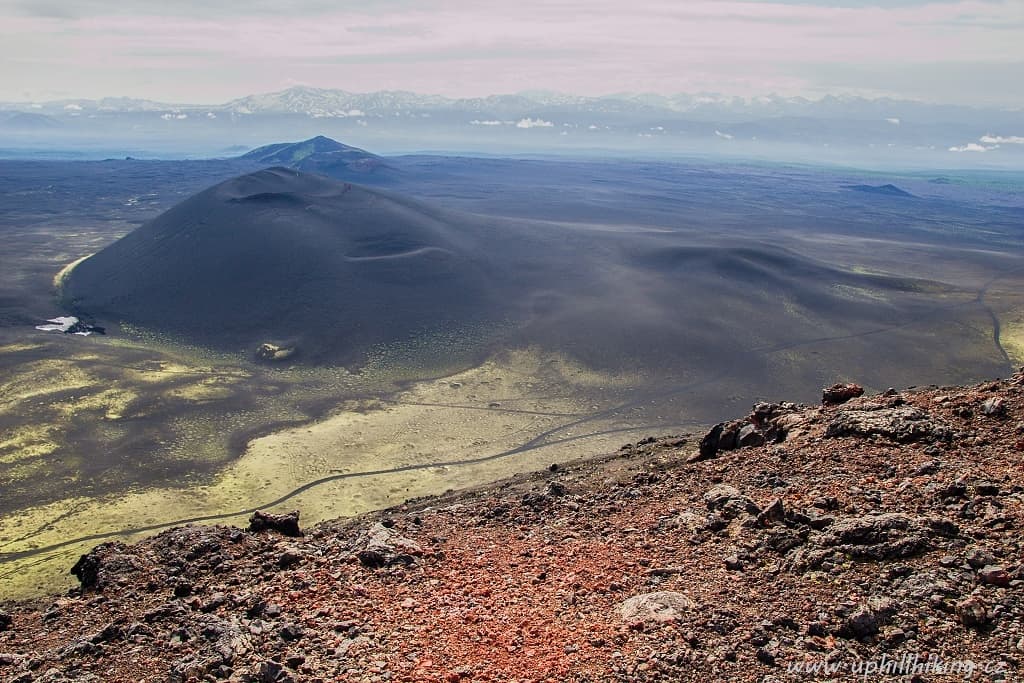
(381, 546)
(661, 606)
(749, 437)
(994, 407)
(223, 640)
(873, 537)
(902, 424)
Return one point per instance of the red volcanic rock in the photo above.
(841, 393)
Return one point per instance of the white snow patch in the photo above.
(533, 123)
(1002, 139)
(971, 147)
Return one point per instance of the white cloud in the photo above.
(1002, 140)
(893, 120)
(533, 123)
(971, 147)
(724, 136)
(489, 122)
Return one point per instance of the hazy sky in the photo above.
(208, 51)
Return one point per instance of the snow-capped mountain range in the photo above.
(322, 102)
(528, 121)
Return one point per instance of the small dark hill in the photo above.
(887, 190)
(324, 156)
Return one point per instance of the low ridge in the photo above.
(888, 190)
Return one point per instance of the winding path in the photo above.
(996, 328)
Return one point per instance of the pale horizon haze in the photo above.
(964, 52)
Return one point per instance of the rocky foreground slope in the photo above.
(801, 543)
